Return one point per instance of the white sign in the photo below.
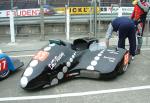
(20, 12)
(36, 11)
(115, 9)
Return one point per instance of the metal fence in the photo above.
(79, 24)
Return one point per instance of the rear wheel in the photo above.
(122, 69)
(124, 64)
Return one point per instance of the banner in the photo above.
(61, 10)
(20, 12)
(77, 10)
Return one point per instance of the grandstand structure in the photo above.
(26, 4)
(20, 4)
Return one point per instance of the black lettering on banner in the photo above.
(79, 9)
(105, 9)
(102, 9)
(85, 9)
(74, 10)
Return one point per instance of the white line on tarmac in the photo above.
(18, 56)
(145, 49)
(75, 94)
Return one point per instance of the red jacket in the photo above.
(137, 12)
(139, 15)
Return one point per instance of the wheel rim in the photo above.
(125, 67)
(4, 73)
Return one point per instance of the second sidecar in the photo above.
(8, 65)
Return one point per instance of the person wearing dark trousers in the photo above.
(125, 28)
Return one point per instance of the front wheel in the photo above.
(4, 74)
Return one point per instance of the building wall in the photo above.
(59, 28)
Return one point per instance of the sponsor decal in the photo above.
(113, 51)
(55, 60)
(126, 58)
(110, 59)
(71, 74)
(41, 56)
(3, 65)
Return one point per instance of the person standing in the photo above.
(126, 29)
(139, 15)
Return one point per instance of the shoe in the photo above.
(138, 51)
(131, 58)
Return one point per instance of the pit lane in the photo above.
(132, 86)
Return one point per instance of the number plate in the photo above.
(3, 65)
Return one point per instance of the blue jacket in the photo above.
(120, 21)
(125, 23)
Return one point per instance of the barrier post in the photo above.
(99, 21)
(42, 20)
(95, 18)
(120, 9)
(90, 20)
(11, 17)
(67, 23)
(147, 37)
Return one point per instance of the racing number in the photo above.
(3, 65)
(126, 58)
(41, 55)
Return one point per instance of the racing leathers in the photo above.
(139, 16)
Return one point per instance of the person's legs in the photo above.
(121, 41)
(139, 37)
(122, 36)
(139, 44)
(132, 42)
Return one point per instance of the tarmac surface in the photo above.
(131, 87)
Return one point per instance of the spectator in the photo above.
(139, 14)
(126, 29)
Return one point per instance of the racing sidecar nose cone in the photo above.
(24, 82)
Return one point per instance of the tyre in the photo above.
(4, 74)
(122, 67)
